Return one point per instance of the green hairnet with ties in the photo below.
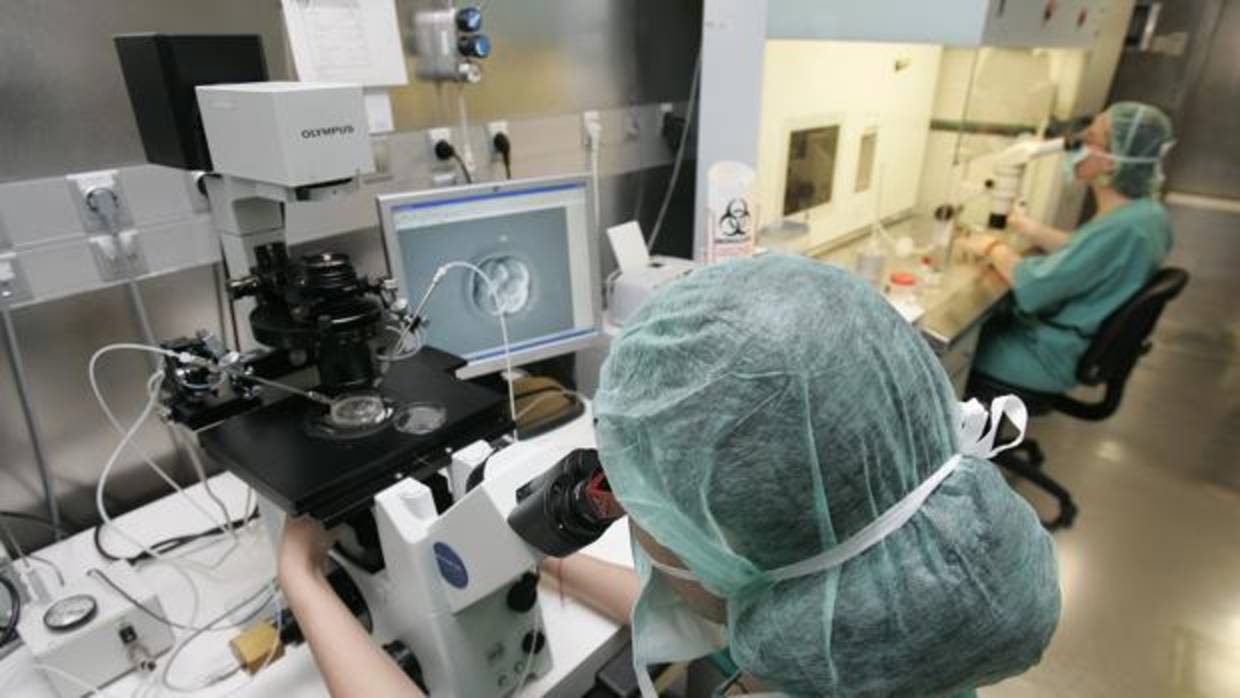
(1141, 136)
(761, 411)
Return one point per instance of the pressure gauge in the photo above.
(70, 613)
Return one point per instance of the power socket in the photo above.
(85, 184)
(592, 127)
(436, 135)
(494, 128)
(632, 125)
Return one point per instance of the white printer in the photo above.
(639, 275)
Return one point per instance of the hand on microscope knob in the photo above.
(981, 245)
(1020, 222)
(303, 550)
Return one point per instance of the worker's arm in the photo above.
(351, 664)
(1047, 237)
(607, 588)
(997, 253)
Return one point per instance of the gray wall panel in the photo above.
(63, 108)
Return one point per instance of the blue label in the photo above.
(451, 566)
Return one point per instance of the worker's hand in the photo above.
(1020, 222)
(303, 550)
(978, 245)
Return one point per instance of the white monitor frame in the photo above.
(388, 203)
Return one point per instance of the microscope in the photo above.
(1005, 188)
(444, 517)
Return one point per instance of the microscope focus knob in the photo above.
(533, 642)
(524, 594)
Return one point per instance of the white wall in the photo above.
(1002, 86)
(858, 86)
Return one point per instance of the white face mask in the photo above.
(666, 630)
(1071, 159)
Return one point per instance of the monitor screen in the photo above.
(810, 179)
(531, 238)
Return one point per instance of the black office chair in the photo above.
(1121, 341)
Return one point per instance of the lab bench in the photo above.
(956, 307)
(582, 642)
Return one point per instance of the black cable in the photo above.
(503, 146)
(15, 612)
(464, 170)
(18, 516)
(169, 544)
(445, 151)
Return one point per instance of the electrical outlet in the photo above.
(495, 128)
(591, 123)
(632, 125)
(89, 191)
(439, 134)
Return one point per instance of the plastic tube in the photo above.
(503, 328)
(680, 154)
(111, 417)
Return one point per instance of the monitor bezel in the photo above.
(387, 203)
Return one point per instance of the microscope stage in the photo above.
(278, 451)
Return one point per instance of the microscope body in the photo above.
(460, 588)
(1009, 174)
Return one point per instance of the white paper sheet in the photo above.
(379, 110)
(354, 41)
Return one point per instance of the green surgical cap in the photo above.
(1138, 131)
(761, 411)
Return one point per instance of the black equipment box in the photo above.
(161, 72)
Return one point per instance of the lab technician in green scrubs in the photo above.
(1061, 296)
(809, 504)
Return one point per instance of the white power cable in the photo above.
(266, 592)
(680, 153)
(594, 134)
(152, 400)
(500, 312)
(116, 424)
(201, 471)
(467, 150)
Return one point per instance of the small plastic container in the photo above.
(871, 262)
(902, 288)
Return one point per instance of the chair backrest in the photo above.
(1123, 338)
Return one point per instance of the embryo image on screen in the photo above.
(525, 254)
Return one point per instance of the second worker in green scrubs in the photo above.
(1062, 296)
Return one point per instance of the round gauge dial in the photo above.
(70, 612)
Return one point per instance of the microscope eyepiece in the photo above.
(566, 508)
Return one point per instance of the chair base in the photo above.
(1026, 461)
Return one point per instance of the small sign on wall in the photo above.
(731, 211)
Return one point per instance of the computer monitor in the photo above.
(810, 177)
(533, 237)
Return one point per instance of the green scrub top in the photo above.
(1061, 299)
